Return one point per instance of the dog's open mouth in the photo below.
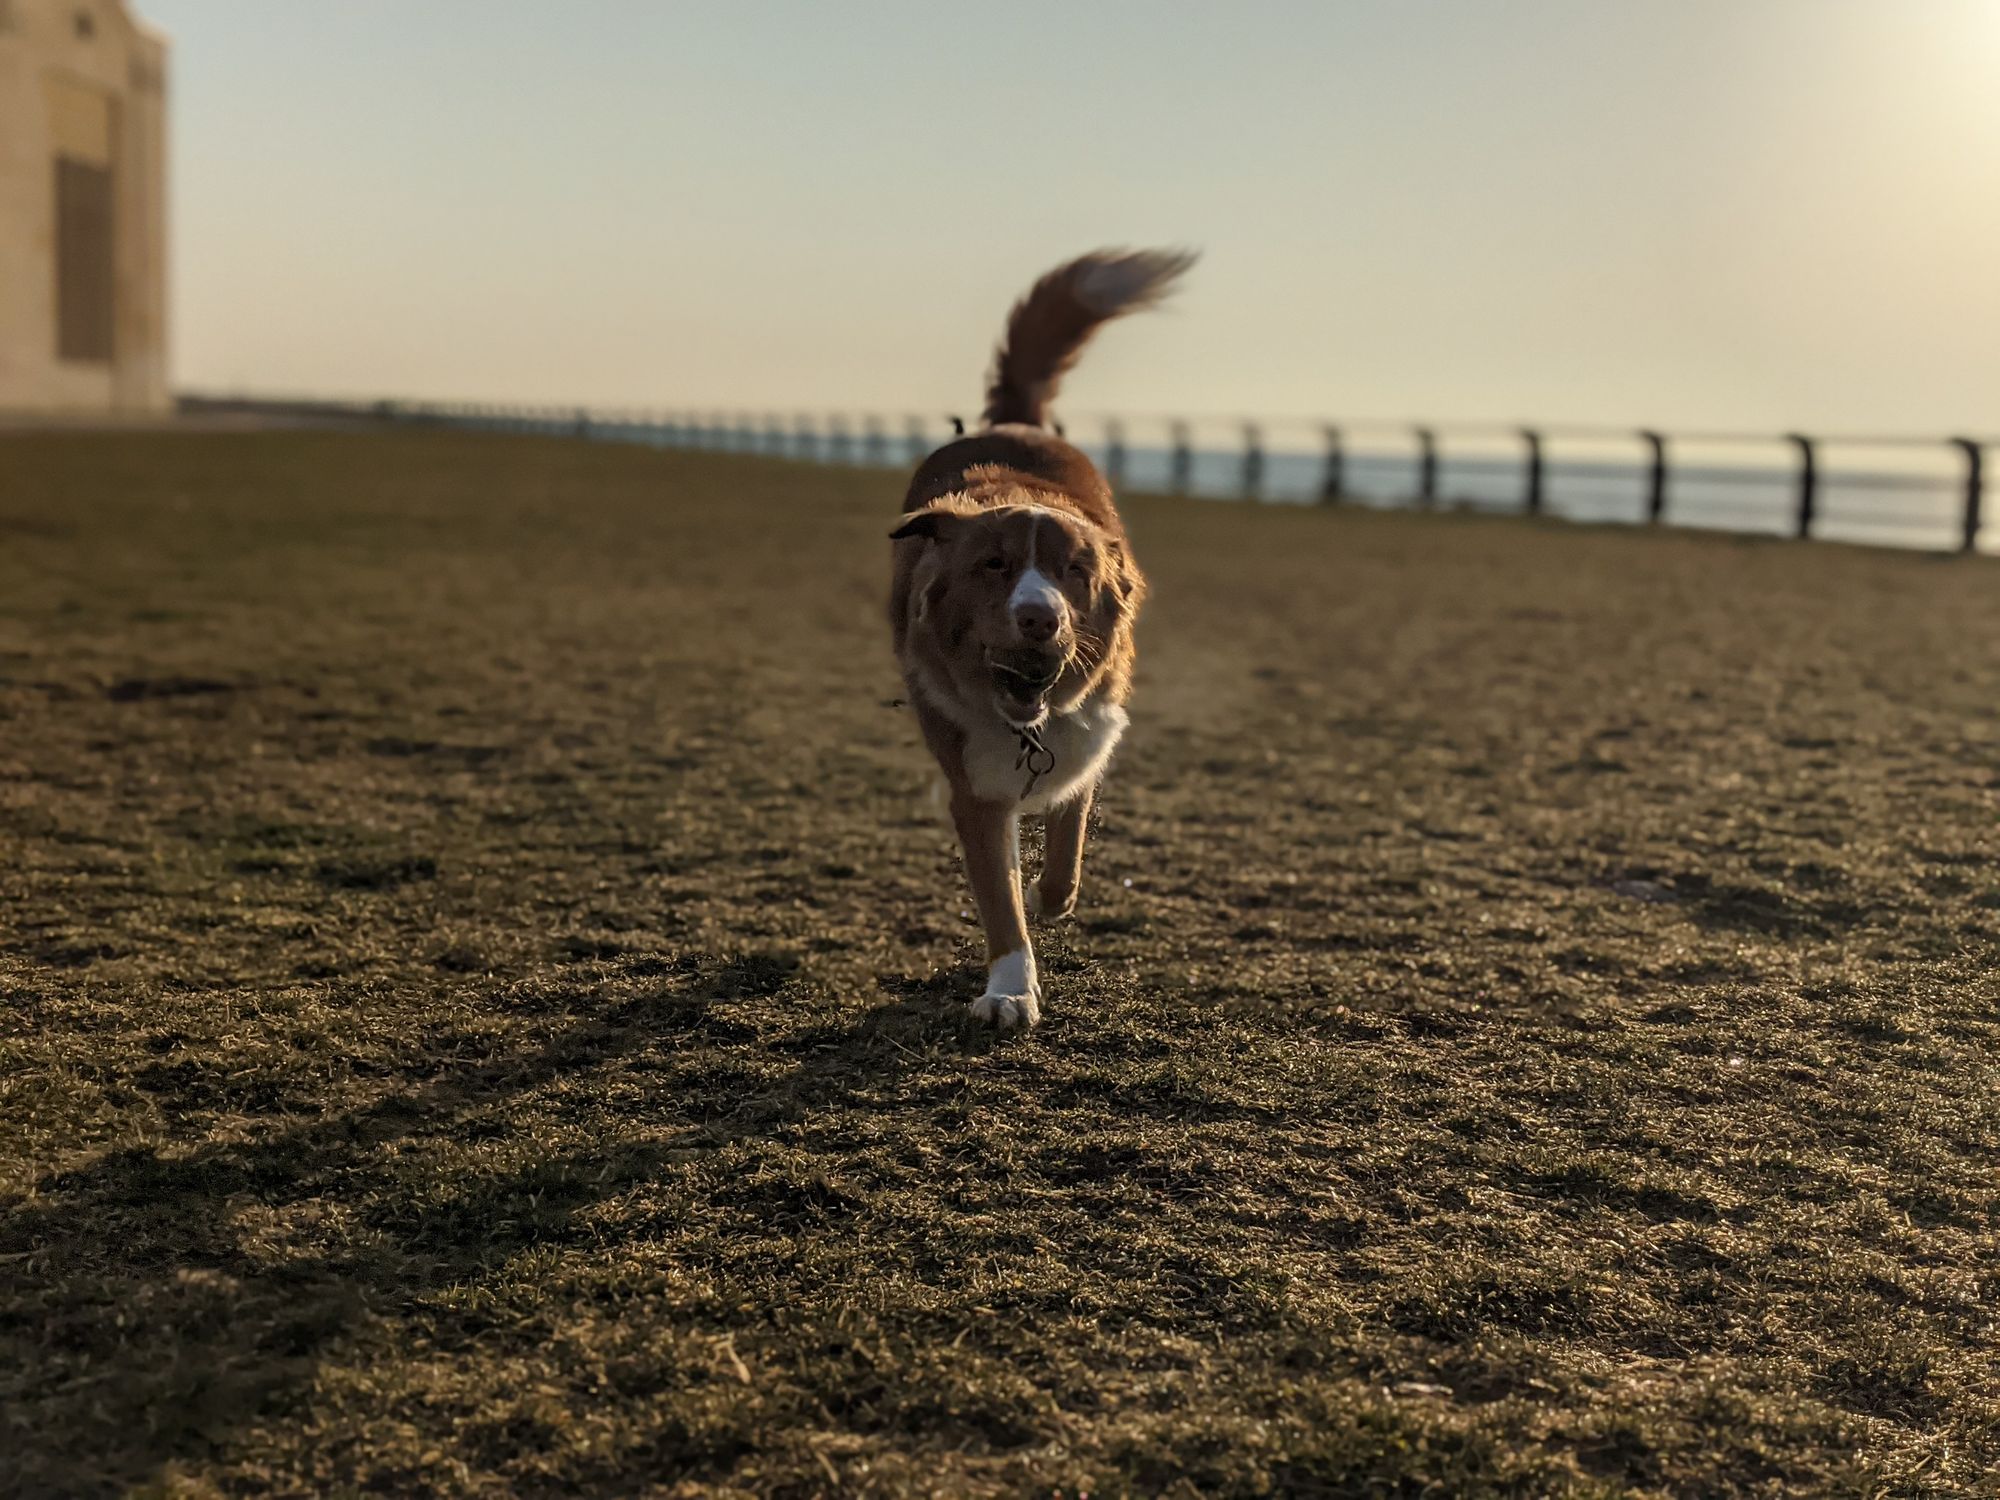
(1021, 683)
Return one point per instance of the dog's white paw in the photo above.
(1013, 994)
(1008, 1011)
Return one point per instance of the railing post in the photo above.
(1808, 482)
(1656, 477)
(874, 442)
(1114, 451)
(1183, 464)
(806, 439)
(1253, 461)
(1531, 487)
(919, 442)
(1333, 482)
(583, 422)
(1427, 467)
(1975, 487)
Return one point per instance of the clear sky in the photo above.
(1693, 213)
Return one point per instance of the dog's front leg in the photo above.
(990, 834)
(1062, 858)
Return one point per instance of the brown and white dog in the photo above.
(1012, 605)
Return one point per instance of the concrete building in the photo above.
(83, 324)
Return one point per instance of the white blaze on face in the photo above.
(1034, 586)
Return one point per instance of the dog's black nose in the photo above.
(1036, 621)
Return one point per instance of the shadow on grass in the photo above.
(157, 1301)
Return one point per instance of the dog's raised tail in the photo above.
(1049, 327)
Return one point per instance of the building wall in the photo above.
(81, 81)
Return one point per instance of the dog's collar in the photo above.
(1035, 758)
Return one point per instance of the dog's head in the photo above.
(1022, 601)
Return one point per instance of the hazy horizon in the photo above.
(1678, 212)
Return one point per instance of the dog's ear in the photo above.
(1121, 577)
(933, 522)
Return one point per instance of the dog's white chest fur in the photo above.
(1081, 742)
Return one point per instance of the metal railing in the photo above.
(1641, 475)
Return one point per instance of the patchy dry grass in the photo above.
(482, 1008)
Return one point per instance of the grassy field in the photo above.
(481, 1004)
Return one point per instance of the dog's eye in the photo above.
(994, 564)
